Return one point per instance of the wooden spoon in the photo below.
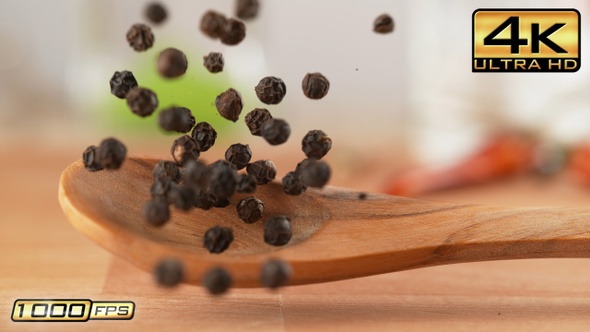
(336, 235)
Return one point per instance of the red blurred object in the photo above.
(580, 164)
(502, 156)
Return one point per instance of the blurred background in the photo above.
(405, 113)
(411, 91)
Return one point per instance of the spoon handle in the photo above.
(395, 233)
(488, 233)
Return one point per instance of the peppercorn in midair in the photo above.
(185, 182)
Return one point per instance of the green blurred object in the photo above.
(196, 90)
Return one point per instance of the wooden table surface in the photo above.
(42, 256)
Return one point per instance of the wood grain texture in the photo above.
(336, 235)
(43, 256)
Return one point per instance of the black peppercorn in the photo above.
(223, 181)
(156, 212)
(182, 197)
(217, 239)
(213, 62)
(229, 104)
(383, 24)
(213, 24)
(255, 120)
(183, 149)
(316, 144)
(315, 86)
(234, 32)
(263, 170)
(271, 90)
(247, 9)
(222, 202)
(160, 188)
(246, 184)
(122, 82)
(239, 155)
(179, 119)
(220, 164)
(277, 231)
(155, 13)
(140, 37)
(250, 209)
(217, 281)
(362, 196)
(204, 200)
(275, 131)
(142, 101)
(315, 173)
(172, 63)
(89, 159)
(195, 174)
(167, 169)
(275, 273)
(169, 272)
(111, 153)
(204, 135)
(292, 184)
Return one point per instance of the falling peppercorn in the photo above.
(121, 83)
(316, 144)
(111, 153)
(315, 86)
(223, 181)
(140, 37)
(271, 90)
(89, 159)
(217, 281)
(383, 24)
(239, 155)
(213, 62)
(315, 173)
(277, 231)
(169, 272)
(263, 170)
(142, 101)
(250, 209)
(229, 104)
(275, 273)
(275, 131)
(156, 212)
(183, 149)
(204, 135)
(217, 239)
(292, 184)
(234, 32)
(246, 184)
(204, 200)
(255, 119)
(168, 170)
(160, 188)
(172, 63)
(213, 24)
(222, 202)
(247, 9)
(196, 174)
(182, 197)
(156, 13)
(179, 119)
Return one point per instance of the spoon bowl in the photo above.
(336, 235)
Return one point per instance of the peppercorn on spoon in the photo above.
(336, 235)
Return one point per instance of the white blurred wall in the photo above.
(415, 82)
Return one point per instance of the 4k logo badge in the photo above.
(526, 40)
